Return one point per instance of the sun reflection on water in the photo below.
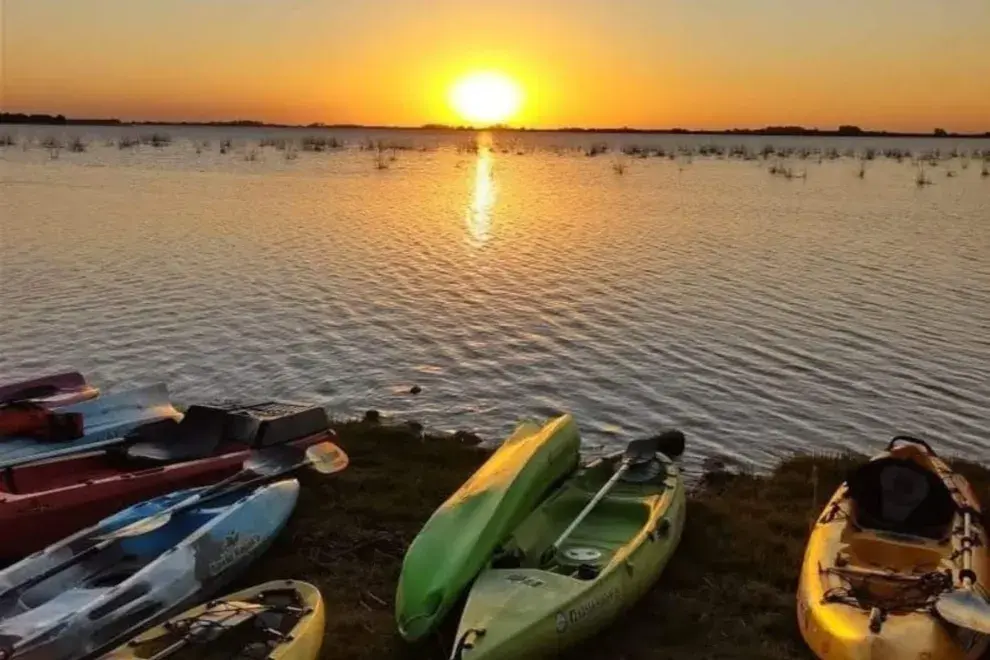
(479, 212)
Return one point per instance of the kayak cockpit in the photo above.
(903, 496)
(600, 537)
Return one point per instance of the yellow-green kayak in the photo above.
(459, 538)
(531, 603)
(281, 620)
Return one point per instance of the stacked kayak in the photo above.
(104, 423)
(101, 586)
(49, 391)
(895, 563)
(460, 537)
(277, 620)
(584, 555)
(42, 502)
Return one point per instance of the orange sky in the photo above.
(895, 64)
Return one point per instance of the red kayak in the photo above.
(41, 503)
(51, 391)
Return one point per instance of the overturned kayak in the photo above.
(43, 502)
(553, 584)
(277, 620)
(105, 422)
(112, 591)
(459, 538)
(899, 540)
(50, 391)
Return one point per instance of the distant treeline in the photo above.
(842, 131)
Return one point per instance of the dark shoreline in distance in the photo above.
(795, 131)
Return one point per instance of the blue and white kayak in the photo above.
(137, 581)
(106, 421)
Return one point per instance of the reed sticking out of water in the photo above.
(51, 142)
(862, 169)
(77, 146)
(619, 167)
(381, 160)
(595, 149)
(251, 155)
(6, 140)
(985, 171)
(321, 143)
(291, 152)
(225, 146)
(158, 140)
(779, 169)
(127, 142)
(921, 179)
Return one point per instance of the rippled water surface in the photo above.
(762, 314)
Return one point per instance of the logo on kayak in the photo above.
(586, 609)
(529, 581)
(232, 549)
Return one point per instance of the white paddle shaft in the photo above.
(591, 505)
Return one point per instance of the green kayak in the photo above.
(460, 537)
(533, 602)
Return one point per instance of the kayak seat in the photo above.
(196, 436)
(898, 495)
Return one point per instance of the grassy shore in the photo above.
(727, 593)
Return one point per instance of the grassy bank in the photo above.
(728, 592)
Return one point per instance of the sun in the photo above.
(486, 97)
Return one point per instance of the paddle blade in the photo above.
(671, 443)
(277, 459)
(966, 609)
(327, 458)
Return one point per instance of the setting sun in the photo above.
(486, 98)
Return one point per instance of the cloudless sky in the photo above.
(896, 64)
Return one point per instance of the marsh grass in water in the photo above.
(728, 592)
(77, 146)
(7, 140)
(158, 140)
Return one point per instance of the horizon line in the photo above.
(843, 130)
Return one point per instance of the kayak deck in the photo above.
(535, 601)
(280, 619)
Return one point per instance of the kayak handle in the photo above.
(910, 440)
(464, 644)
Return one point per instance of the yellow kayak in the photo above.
(900, 533)
(281, 620)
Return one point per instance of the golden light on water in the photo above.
(486, 97)
(479, 213)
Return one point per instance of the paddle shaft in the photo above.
(626, 463)
(967, 551)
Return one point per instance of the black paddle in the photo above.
(964, 607)
(268, 464)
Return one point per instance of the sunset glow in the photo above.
(486, 98)
(589, 63)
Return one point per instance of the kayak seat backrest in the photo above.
(898, 495)
(196, 436)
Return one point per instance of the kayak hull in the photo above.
(106, 421)
(540, 603)
(50, 391)
(34, 520)
(461, 535)
(41, 503)
(302, 641)
(138, 581)
(850, 568)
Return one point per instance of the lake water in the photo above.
(761, 314)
